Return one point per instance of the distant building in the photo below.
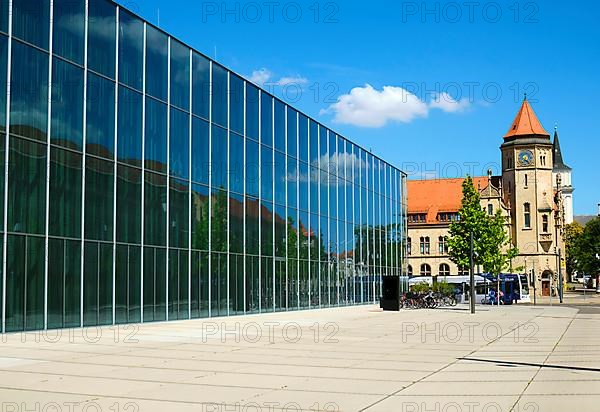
(532, 192)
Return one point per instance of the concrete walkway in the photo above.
(513, 358)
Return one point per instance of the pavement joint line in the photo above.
(397, 393)
(515, 405)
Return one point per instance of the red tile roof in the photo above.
(526, 123)
(438, 195)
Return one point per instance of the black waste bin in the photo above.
(390, 298)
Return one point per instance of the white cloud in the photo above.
(295, 80)
(261, 76)
(448, 104)
(368, 107)
(264, 77)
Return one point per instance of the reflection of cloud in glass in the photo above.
(338, 165)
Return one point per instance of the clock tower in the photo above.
(531, 195)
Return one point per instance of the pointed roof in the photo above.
(526, 123)
(559, 163)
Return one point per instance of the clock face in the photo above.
(526, 158)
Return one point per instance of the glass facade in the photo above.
(146, 182)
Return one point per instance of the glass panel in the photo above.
(102, 23)
(236, 284)
(199, 292)
(127, 284)
(219, 221)
(252, 284)
(303, 186)
(157, 51)
(25, 286)
(292, 183)
(303, 138)
(314, 143)
(99, 197)
(266, 177)
(266, 285)
(29, 91)
(178, 284)
(154, 284)
(64, 283)
(180, 75)
(200, 217)
(155, 209)
(65, 193)
(200, 85)
(179, 162)
(219, 95)
(292, 280)
(266, 229)
(3, 24)
(68, 29)
(251, 111)
(129, 193)
(236, 104)
(252, 168)
(218, 284)
(97, 284)
(266, 119)
(236, 223)
(67, 105)
(219, 158)
(236, 163)
(155, 157)
(292, 132)
(3, 70)
(179, 205)
(280, 231)
(252, 226)
(131, 44)
(279, 126)
(100, 127)
(129, 132)
(2, 176)
(200, 153)
(280, 178)
(31, 21)
(27, 187)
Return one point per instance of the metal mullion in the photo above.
(328, 224)
(259, 201)
(319, 212)
(189, 220)
(285, 188)
(84, 163)
(244, 203)
(298, 208)
(115, 169)
(6, 163)
(362, 228)
(273, 191)
(211, 168)
(228, 169)
(168, 211)
(143, 207)
(309, 178)
(48, 162)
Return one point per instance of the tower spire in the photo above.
(559, 163)
(526, 123)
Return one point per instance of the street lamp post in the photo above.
(472, 278)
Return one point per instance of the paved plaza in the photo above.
(513, 358)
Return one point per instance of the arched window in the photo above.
(527, 215)
(425, 270)
(409, 246)
(443, 245)
(444, 269)
(410, 270)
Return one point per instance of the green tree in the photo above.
(573, 232)
(473, 219)
(492, 246)
(587, 248)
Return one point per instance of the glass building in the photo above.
(144, 182)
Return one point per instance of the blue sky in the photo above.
(429, 86)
